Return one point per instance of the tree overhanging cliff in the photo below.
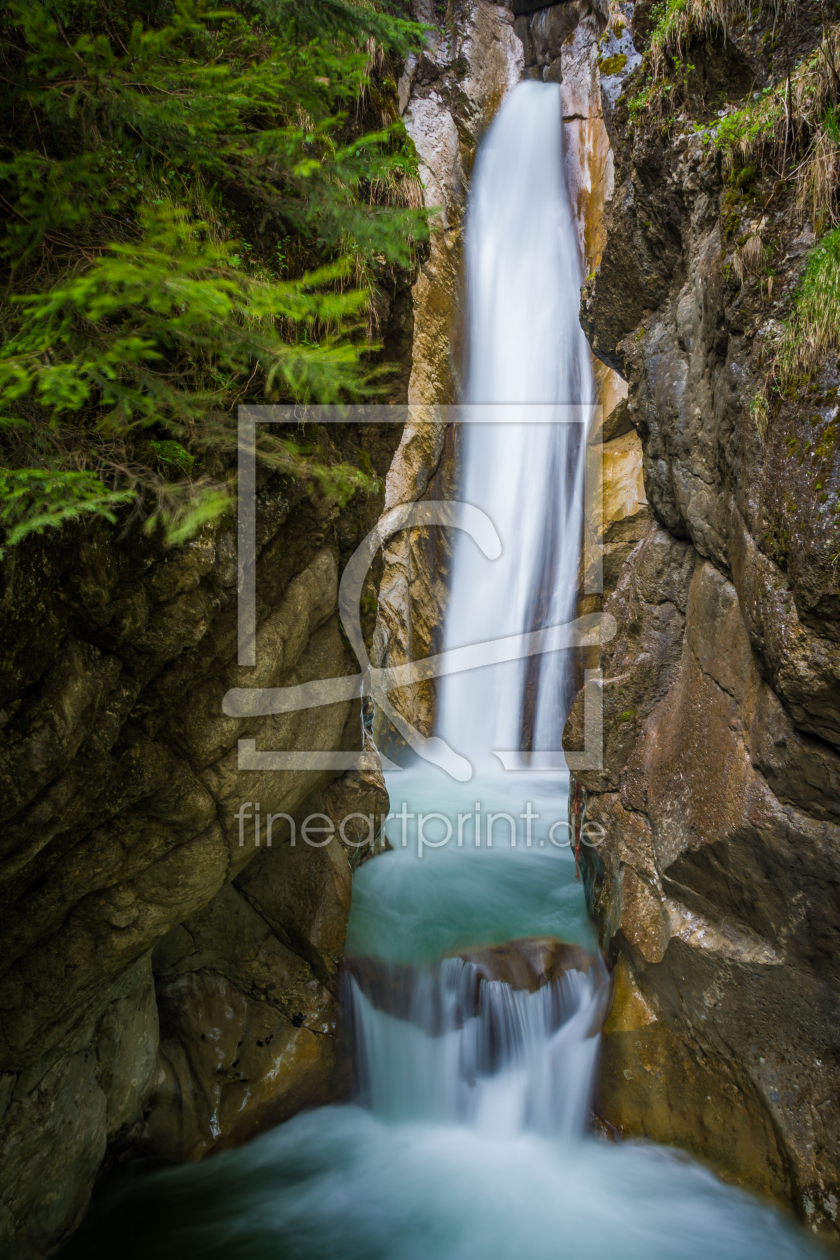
(198, 208)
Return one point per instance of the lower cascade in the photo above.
(474, 991)
(500, 1059)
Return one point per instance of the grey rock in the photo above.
(715, 887)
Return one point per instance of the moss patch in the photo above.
(612, 65)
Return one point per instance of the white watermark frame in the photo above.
(587, 631)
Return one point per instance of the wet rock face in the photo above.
(715, 896)
(457, 982)
(247, 989)
(135, 943)
(529, 963)
(715, 884)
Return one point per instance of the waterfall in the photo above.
(526, 351)
(521, 1061)
(467, 1135)
(456, 1047)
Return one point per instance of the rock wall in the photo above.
(158, 994)
(621, 511)
(715, 889)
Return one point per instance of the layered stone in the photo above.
(714, 887)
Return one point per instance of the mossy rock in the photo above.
(612, 65)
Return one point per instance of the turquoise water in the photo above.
(340, 1184)
(415, 1180)
(418, 903)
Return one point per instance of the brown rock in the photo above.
(706, 888)
(715, 887)
(120, 785)
(527, 964)
(248, 1033)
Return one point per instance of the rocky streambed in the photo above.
(470, 1128)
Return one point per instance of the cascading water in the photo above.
(469, 1136)
(526, 354)
(480, 1053)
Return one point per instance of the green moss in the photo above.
(745, 176)
(826, 445)
(612, 65)
(172, 455)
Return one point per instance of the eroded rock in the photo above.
(418, 994)
(715, 886)
(121, 790)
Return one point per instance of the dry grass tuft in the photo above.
(795, 128)
(749, 258)
(683, 18)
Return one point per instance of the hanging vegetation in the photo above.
(194, 205)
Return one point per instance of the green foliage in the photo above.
(812, 329)
(670, 21)
(639, 103)
(194, 218)
(663, 78)
(32, 500)
(675, 21)
(814, 325)
(746, 129)
(794, 124)
(172, 455)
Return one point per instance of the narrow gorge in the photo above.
(311, 948)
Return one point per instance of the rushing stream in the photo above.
(469, 1139)
(466, 1145)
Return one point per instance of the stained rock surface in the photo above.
(525, 965)
(155, 997)
(715, 886)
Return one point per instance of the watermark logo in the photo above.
(479, 828)
(586, 631)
